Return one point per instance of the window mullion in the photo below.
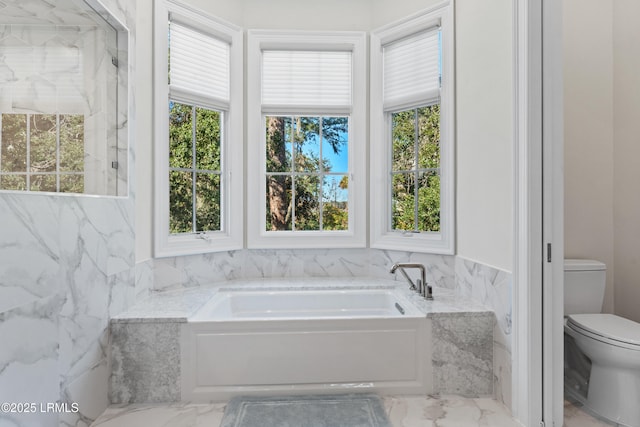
(321, 176)
(193, 165)
(293, 176)
(416, 150)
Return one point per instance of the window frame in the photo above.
(230, 236)
(382, 237)
(354, 41)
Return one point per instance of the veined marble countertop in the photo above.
(178, 305)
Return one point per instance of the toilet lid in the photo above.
(608, 326)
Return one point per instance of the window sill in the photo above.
(306, 240)
(195, 244)
(423, 243)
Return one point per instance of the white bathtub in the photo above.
(305, 341)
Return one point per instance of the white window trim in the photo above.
(231, 236)
(257, 236)
(381, 236)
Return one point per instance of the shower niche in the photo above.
(63, 98)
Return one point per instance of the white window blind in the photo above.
(306, 78)
(198, 64)
(412, 70)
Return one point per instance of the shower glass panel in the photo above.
(63, 98)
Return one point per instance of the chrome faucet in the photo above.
(422, 287)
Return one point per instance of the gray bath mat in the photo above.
(353, 410)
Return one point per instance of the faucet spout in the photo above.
(406, 276)
(422, 287)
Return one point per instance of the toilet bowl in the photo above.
(612, 343)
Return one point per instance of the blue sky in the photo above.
(339, 163)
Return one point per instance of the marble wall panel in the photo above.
(144, 279)
(208, 269)
(440, 268)
(29, 360)
(502, 373)
(29, 250)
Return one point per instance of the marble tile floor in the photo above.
(576, 416)
(403, 411)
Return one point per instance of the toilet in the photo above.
(610, 342)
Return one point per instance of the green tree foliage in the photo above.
(72, 153)
(292, 145)
(188, 166)
(14, 151)
(415, 168)
(313, 198)
(42, 152)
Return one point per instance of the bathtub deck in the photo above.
(178, 305)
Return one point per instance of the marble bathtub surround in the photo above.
(145, 362)
(493, 288)
(178, 304)
(146, 338)
(463, 353)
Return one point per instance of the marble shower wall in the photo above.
(493, 288)
(67, 264)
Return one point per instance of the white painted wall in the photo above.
(143, 186)
(484, 80)
(484, 97)
(229, 10)
(589, 137)
(308, 14)
(626, 158)
(386, 11)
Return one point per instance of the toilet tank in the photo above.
(584, 283)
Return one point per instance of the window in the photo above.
(415, 169)
(412, 133)
(42, 152)
(306, 125)
(307, 177)
(198, 134)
